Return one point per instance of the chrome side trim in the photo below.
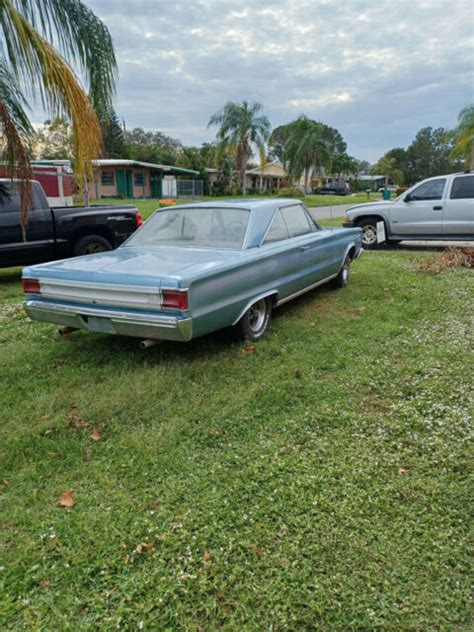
(306, 289)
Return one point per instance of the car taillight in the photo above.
(31, 286)
(139, 219)
(175, 299)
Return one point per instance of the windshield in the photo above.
(194, 228)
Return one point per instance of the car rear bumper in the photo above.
(140, 325)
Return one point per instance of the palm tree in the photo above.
(31, 65)
(305, 149)
(464, 136)
(387, 167)
(243, 126)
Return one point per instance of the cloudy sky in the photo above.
(377, 70)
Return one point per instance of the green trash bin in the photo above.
(386, 194)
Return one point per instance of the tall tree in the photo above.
(305, 149)
(40, 39)
(53, 141)
(243, 127)
(464, 136)
(151, 146)
(387, 167)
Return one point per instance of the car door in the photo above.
(458, 216)
(419, 213)
(38, 243)
(310, 255)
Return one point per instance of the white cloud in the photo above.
(378, 71)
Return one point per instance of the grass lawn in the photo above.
(316, 482)
(146, 207)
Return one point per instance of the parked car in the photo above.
(333, 188)
(194, 269)
(391, 187)
(436, 208)
(59, 232)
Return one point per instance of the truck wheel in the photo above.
(369, 232)
(91, 244)
(254, 322)
(342, 278)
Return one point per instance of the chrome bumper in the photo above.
(111, 321)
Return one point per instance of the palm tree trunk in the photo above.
(472, 157)
(243, 169)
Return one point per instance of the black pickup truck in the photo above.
(60, 232)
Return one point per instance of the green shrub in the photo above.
(290, 192)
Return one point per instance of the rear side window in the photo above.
(278, 230)
(10, 197)
(296, 220)
(463, 188)
(432, 190)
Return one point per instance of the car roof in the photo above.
(245, 203)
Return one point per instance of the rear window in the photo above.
(194, 228)
(463, 188)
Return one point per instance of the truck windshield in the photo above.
(194, 228)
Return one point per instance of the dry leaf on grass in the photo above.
(298, 372)
(359, 311)
(96, 435)
(207, 557)
(66, 499)
(248, 349)
(402, 471)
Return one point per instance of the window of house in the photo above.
(278, 230)
(138, 179)
(463, 188)
(107, 178)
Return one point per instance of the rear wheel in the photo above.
(369, 232)
(253, 324)
(91, 244)
(342, 278)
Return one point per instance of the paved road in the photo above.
(327, 212)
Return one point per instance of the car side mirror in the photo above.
(407, 198)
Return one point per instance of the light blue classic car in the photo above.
(193, 269)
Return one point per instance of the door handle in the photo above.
(304, 248)
(437, 208)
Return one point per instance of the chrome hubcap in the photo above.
(345, 272)
(369, 235)
(257, 315)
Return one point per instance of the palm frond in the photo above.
(61, 92)
(82, 39)
(15, 132)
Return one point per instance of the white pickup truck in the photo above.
(434, 209)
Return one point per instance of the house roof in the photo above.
(266, 170)
(119, 162)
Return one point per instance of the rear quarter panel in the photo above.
(219, 298)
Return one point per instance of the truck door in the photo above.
(38, 244)
(419, 213)
(458, 218)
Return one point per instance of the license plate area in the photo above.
(96, 323)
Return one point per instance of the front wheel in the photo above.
(91, 245)
(253, 324)
(342, 278)
(369, 233)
